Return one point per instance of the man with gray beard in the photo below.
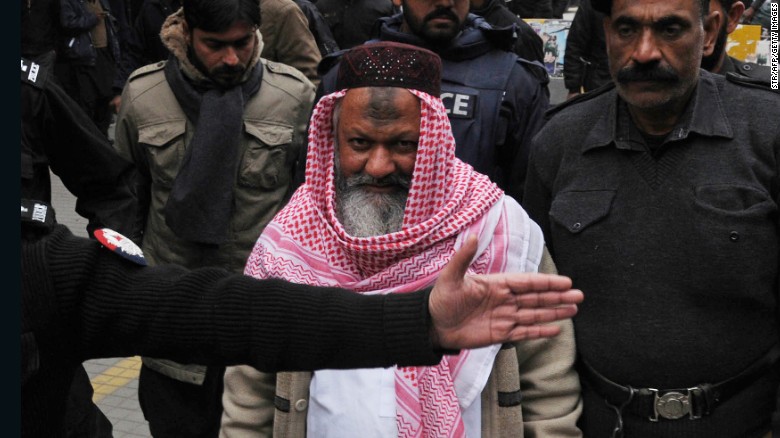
(363, 212)
(384, 206)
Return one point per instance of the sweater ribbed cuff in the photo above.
(407, 324)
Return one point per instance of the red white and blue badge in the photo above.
(120, 245)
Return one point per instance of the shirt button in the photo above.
(576, 226)
(301, 404)
(734, 236)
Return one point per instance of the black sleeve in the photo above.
(87, 164)
(74, 18)
(119, 12)
(112, 308)
(144, 45)
(133, 56)
(577, 48)
(318, 27)
(529, 43)
(526, 102)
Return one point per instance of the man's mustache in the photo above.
(647, 73)
(228, 70)
(443, 12)
(395, 179)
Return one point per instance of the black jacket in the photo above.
(40, 26)
(352, 21)
(585, 61)
(58, 135)
(144, 45)
(532, 8)
(318, 27)
(77, 21)
(528, 44)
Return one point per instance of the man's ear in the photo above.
(734, 15)
(397, 3)
(712, 24)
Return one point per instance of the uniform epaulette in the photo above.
(752, 70)
(578, 99)
(280, 68)
(750, 81)
(537, 69)
(146, 70)
(33, 73)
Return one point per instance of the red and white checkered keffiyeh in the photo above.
(447, 201)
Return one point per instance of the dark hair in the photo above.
(219, 15)
(605, 6)
(726, 5)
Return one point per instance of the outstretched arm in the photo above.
(470, 311)
(111, 308)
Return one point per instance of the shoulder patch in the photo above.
(33, 73)
(120, 245)
(751, 81)
(147, 69)
(578, 99)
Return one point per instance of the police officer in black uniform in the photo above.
(659, 169)
(58, 135)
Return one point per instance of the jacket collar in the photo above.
(729, 65)
(704, 115)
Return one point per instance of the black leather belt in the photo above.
(671, 404)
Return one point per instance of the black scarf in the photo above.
(201, 201)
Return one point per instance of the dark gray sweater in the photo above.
(676, 251)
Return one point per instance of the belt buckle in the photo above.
(672, 405)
